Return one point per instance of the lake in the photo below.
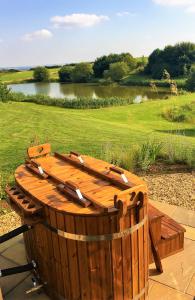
(72, 91)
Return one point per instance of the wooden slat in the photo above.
(117, 263)
(1, 295)
(94, 259)
(73, 259)
(83, 260)
(64, 259)
(127, 265)
(105, 254)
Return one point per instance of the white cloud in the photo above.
(175, 2)
(188, 5)
(78, 20)
(125, 13)
(190, 9)
(39, 34)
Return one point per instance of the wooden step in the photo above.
(155, 217)
(172, 238)
(169, 235)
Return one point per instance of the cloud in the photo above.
(189, 5)
(191, 9)
(174, 2)
(78, 20)
(38, 35)
(125, 13)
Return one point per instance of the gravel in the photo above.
(8, 222)
(177, 189)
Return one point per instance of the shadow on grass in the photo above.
(182, 132)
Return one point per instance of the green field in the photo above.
(22, 76)
(87, 131)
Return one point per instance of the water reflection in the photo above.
(72, 91)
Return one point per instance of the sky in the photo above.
(40, 32)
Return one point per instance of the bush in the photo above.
(102, 63)
(65, 74)
(117, 71)
(41, 74)
(82, 73)
(190, 83)
(5, 93)
(180, 113)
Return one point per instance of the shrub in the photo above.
(102, 63)
(117, 71)
(41, 74)
(82, 72)
(190, 83)
(5, 93)
(179, 113)
(65, 74)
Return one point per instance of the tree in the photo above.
(177, 60)
(41, 74)
(65, 74)
(190, 83)
(102, 63)
(82, 72)
(118, 70)
(4, 92)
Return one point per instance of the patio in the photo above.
(176, 282)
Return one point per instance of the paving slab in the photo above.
(191, 288)
(20, 292)
(184, 216)
(16, 253)
(164, 207)
(190, 232)
(4, 246)
(163, 292)
(178, 268)
(10, 282)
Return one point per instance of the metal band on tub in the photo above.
(98, 238)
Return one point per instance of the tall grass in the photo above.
(142, 157)
(78, 103)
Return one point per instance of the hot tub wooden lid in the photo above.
(58, 180)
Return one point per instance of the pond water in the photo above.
(72, 91)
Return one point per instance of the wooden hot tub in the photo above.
(90, 226)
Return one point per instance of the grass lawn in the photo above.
(86, 131)
(17, 77)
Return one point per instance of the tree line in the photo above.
(177, 60)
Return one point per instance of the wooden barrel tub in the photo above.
(89, 233)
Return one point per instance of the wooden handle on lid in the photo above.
(116, 170)
(78, 155)
(120, 172)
